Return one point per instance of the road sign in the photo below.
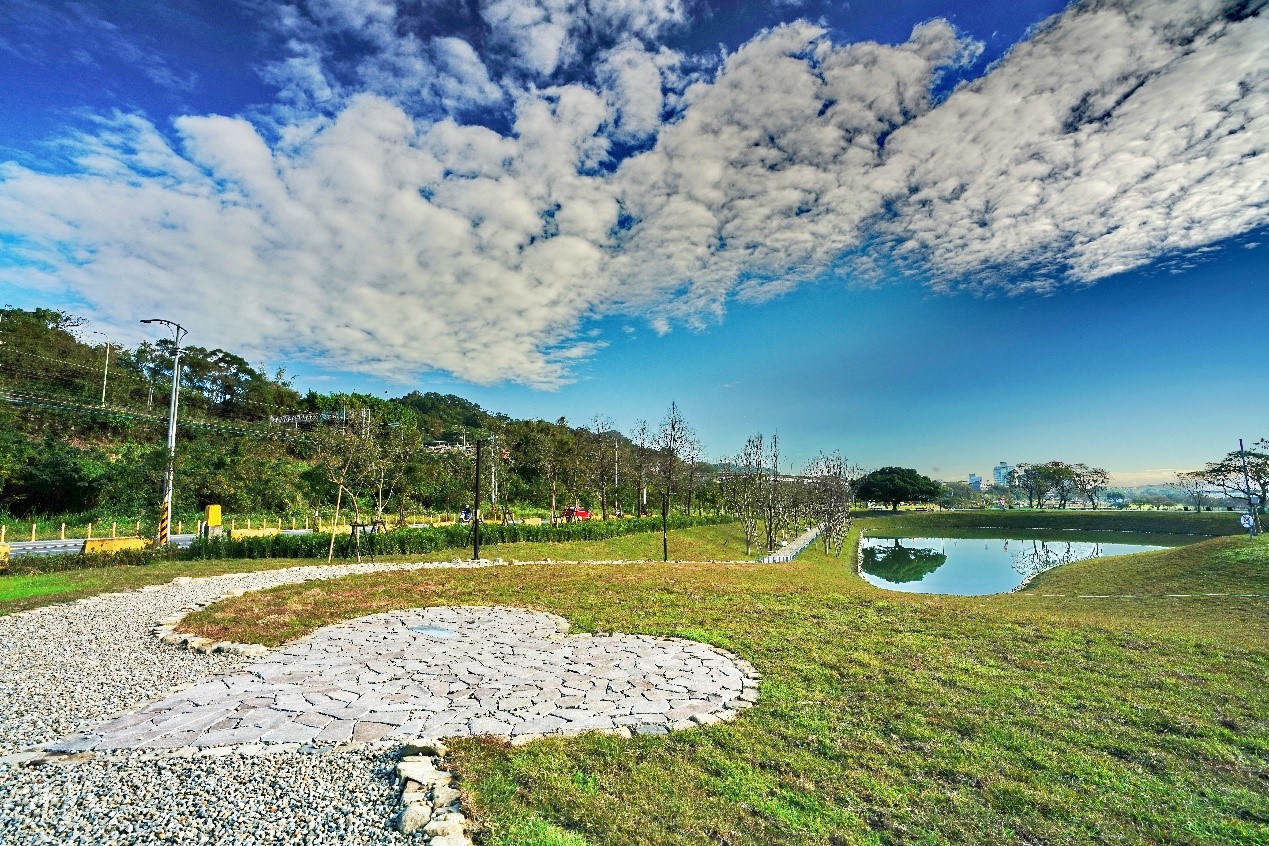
(1247, 520)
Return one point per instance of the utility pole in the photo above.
(165, 518)
(105, 370)
(615, 502)
(475, 517)
(1252, 529)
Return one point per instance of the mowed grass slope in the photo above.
(884, 717)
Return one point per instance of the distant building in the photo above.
(975, 482)
(1000, 474)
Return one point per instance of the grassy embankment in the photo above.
(884, 717)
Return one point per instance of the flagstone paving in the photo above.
(441, 672)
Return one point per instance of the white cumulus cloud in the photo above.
(369, 225)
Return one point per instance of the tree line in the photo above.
(250, 442)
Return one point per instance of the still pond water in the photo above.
(971, 567)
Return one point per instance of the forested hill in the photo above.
(83, 423)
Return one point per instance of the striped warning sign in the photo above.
(164, 527)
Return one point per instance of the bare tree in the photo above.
(672, 444)
(691, 466)
(1194, 485)
(742, 483)
(600, 457)
(829, 497)
(642, 441)
(343, 455)
(775, 510)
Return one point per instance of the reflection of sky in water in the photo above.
(978, 566)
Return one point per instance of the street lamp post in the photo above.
(165, 518)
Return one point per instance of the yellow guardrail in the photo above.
(110, 545)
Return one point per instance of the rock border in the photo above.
(430, 802)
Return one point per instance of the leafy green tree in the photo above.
(893, 485)
(1089, 482)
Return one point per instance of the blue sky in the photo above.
(923, 233)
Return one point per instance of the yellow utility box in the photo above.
(211, 517)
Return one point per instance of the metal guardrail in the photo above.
(787, 553)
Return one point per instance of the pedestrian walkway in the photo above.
(788, 553)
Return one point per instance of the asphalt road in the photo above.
(71, 546)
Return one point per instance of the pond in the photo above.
(976, 566)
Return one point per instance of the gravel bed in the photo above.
(338, 798)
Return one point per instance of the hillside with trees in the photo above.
(83, 433)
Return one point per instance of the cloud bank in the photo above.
(369, 221)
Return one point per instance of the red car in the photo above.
(570, 514)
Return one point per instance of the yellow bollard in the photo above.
(180, 527)
(248, 522)
(138, 528)
(2, 528)
(32, 533)
(90, 531)
(62, 535)
(113, 530)
(233, 524)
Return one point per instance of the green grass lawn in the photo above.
(884, 717)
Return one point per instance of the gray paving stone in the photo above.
(506, 672)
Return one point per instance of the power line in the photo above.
(36, 400)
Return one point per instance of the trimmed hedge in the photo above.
(27, 565)
(418, 541)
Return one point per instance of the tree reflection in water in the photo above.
(898, 563)
(1034, 557)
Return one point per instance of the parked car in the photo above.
(570, 514)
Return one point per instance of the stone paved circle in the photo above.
(439, 672)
